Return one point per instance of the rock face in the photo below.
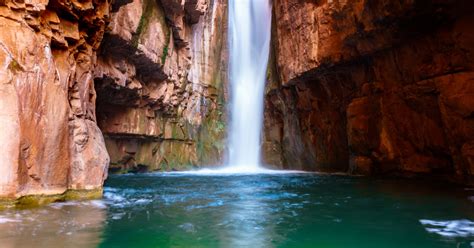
(158, 68)
(362, 86)
(49, 137)
(160, 83)
(373, 87)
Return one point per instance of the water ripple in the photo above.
(450, 228)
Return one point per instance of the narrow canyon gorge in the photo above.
(381, 88)
(237, 123)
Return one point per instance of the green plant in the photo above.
(165, 54)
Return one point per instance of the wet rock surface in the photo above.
(161, 85)
(373, 87)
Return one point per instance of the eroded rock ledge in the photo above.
(154, 69)
(160, 83)
(373, 87)
(49, 137)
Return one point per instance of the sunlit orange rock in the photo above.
(47, 109)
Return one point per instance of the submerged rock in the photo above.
(188, 227)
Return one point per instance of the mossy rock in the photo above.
(6, 203)
(32, 201)
(77, 195)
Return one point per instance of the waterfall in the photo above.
(249, 41)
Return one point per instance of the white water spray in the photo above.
(249, 36)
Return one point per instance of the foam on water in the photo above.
(7, 220)
(450, 228)
(232, 171)
(122, 198)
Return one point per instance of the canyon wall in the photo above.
(372, 87)
(154, 70)
(49, 136)
(160, 84)
(363, 86)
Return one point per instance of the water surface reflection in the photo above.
(279, 210)
(259, 210)
(69, 224)
(248, 218)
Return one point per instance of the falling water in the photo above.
(249, 36)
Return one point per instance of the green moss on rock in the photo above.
(75, 195)
(31, 201)
(6, 203)
(148, 6)
(165, 53)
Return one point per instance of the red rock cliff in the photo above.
(160, 83)
(49, 135)
(154, 69)
(373, 87)
(366, 87)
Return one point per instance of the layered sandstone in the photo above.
(49, 137)
(158, 68)
(373, 87)
(160, 83)
(366, 87)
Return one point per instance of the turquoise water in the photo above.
(263, 210)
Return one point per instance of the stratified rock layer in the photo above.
(49, 136)
(160, 84)
(373, 87)
(159, 71)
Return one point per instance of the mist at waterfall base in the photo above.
(249, 44)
